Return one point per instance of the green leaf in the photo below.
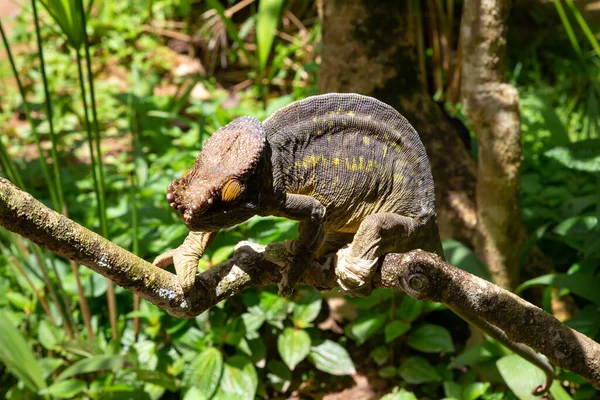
(194, 394)
(586, 321)
(403, 394)
(475, 390)
(395, 329)
(452, 390)
(93, 364)
(388, 371)
(49, 335)
(559, 393)
(18, 358)
(380, 355)
(307, 309)
(294, 346)
(239, 379)
(65, 389)
(462, 257)
(583, 155)
(157, 378)
(431, 338)
(204, 372)
(67, 15)
(279, 375)
(267, 19)
(474, 355)
(253, 319)
(559, 135)
(409, 309)
(274, 306)
(520, 376)
(416, 370)
(332, 358)
(584, 285)
(48, 365)
(364, 327)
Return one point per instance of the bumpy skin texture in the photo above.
(350, 168)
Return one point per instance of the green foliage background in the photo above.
(255, 344)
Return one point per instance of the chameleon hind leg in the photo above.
(377, 235)
(185, 257)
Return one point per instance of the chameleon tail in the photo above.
(520, 349)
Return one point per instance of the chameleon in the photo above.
(348, 167)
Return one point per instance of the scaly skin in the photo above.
(348, 167)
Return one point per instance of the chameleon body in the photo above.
(350, 168)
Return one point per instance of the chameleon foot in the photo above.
(292, 275)
(353, 273)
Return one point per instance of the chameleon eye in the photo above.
(232, 191)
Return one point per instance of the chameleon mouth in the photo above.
(190, 200)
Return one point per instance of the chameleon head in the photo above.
(214, 194)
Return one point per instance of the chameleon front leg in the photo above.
(311, 214)
(185, 257)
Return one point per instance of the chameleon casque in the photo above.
(350, 168)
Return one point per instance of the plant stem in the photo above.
(110, 288)
(83, 304)
(43, 164)
(48, 102)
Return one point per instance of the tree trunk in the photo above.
(369, 48)
(492, 109)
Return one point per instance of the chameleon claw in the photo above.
(353, 273)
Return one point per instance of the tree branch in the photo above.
(422, 275)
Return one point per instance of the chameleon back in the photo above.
(356, 155)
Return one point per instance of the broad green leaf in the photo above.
(462, 257)
(452, 390)
(48, 365)
(65, 389)
(475, 354)
(364, 327)
(431, 338)
(93, 364)
(403, 394)
(204, 372)
(49, 335)
(267, 19)
(409, 309)
(583, 155)
(157, 378)
(307, 309)
(279, 376)
(84, 348)
(380, 355)
(584, 285)
(332, 358)
(194, 394)
(586, 321)
(253, 319)
(294, 346)
(274, 306)
(474, 390)
(395, 329)
(239, 379)
(416, 370)
(388, 371)
(520, 376)
(558, 130)
(559, 393)
(17, 356)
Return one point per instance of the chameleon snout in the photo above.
(189, 199)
